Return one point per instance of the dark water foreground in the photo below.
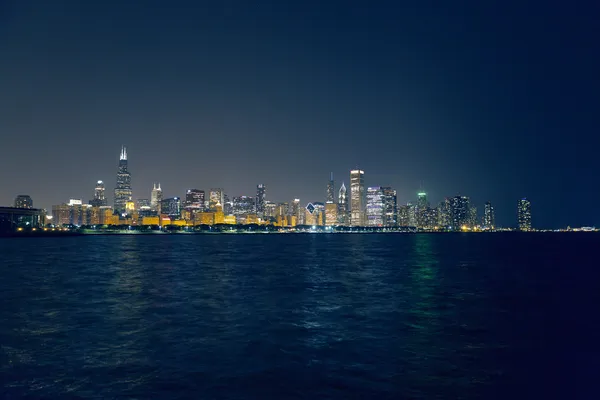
(451, 316)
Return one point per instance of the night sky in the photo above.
(494, 100)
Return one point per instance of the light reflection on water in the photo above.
(279, 316)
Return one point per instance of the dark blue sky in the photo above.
(495, 100)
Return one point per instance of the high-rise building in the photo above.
(331, 217)
(489, 217)
(270, 209)
(216, 196)
(404, 215)
(342, 206)
(524, 214)
(444, 214)
(195, 198)
(357, 197)
(412, 214)
(23, 201)
(389, 206)
(297, 211)
(123, 188)
(422, 208)
(460, 214)
(99, 199)
(330, 190)
(171, 207)
(156, 198)
(243, 205)
(261, 193)
(375, 210)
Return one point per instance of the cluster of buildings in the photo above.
(355, 206)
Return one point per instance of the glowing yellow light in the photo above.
(19, 229)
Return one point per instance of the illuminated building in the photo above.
(342, 206)
(165, 220)
(204, 218)
(99, 199)
(297, 211)
(123, 188)
(171, 207)
(524, 214)
(23, 201)
(331, 217)
(412, 214)
(270, 209)
(61, 214)
(251, 219)
(94, 215)
(389, 201)
(357, 197)
(216, 195)
(229, 219)
(178, 222)
(243, 205)
(155, 220)
(444, 214)
(261, 193)
(143, 204)
(282, 209)
(130, 206)
(319, 213)
(430, 218)
(156, 198)
(460, 214)
(403, 215)
(472, 216)
(330, 190)
(195, 198)
(227, 206)
(489, 217)
(421, 209)
(73, 213)
(219, 215)
(375, 206)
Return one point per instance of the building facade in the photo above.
(390, 206)
(524, 214)
(123, 189)
(156, 197)
(99, 199)
(342, 206)
(357, 198)
(23, 201)
(375, 210)
(195, 198)
(261, 194)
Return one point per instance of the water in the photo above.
(447, 316)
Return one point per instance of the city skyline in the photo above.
(496, 103)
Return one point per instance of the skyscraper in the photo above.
(195, 198)
(524, 214)
(357, 197)
(330, 190)
(23, 201)
(421, 210)
(297, 211)
(156, 198)
(375, 210)
(342, 206)
(261, 192)
(216, 196)
(171, 207)
(460, 214)
(99, 199)
(390, 206)
(123, 188)
(489, 217)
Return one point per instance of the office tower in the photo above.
(472, 216)
(460, 213)
(342, 206)
(282, 209)
(489, 217)
(389, 206)
(357, 197)
(404, 215)
(261, 193)
(61, 214)
(243, 205)
(270, 209)
(319, 213)
(143, 204)
(331, 216)
(195, 198)
(123, 188)
(330, 190)
(171, 207)
(412, 214)
(227, 206)
(524, 214)
(99, 199)
(72, 213)
(444, 214)
(23, 201)
(422, 209)
(156, 198)
(375, 209)
(216, 196)
(430, 218)
(297, 211)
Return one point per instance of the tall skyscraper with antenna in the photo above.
(156, 197)
(330, 190)
(123, 188)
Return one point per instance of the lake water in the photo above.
(312, 316)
